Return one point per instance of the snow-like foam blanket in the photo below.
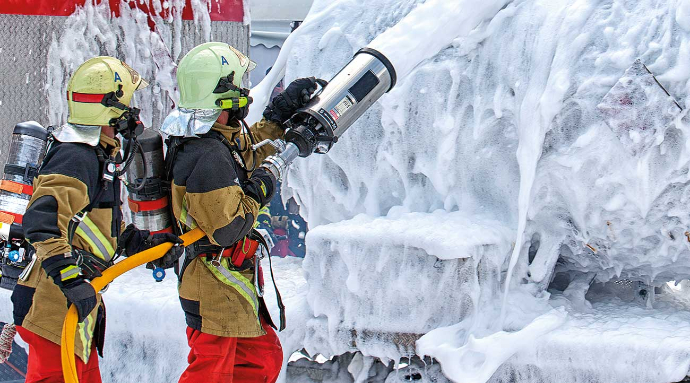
(391, 278)
(522, 122)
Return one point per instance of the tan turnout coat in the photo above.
(69, 178)
(207, 193)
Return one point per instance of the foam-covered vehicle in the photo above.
(514, 209)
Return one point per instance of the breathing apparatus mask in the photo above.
(238, 107)
(128, 125)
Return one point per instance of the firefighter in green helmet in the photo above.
(218, 187)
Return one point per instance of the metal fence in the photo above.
(24, 46)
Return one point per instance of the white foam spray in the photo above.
(431, 27)
(424, 32)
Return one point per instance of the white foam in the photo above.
(430, 27)
(476, 359)
(501, 124)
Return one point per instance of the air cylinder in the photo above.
(148, 203)
(26, 153)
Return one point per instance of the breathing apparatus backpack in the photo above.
(149, 185)
(149, 177)
(30, 144)
(27, 149)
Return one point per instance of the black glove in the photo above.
(133, 241)
(261, 186)
(294, 97)
(82, 295)
(66, 274)
(168, 260)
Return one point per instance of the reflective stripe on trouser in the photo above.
(235, 280)
(100, 246)
(85, 331)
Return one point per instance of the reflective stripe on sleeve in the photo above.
(100, 246)
(69, 272)
(185, 218)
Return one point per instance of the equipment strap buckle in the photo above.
(215, 261)
(30, 171)
(79, 217)
(109, 171)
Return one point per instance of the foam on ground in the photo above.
(145, 332)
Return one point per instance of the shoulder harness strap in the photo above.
(234, 149)
(109, 175)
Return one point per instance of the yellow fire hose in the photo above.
(69, 328)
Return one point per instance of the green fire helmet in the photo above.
(201, 69)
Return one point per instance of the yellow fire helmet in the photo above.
(100, 90)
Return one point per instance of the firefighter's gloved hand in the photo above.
(82, 295)
(260, 186)
(168, 260)
(294, 97)
(133, 241)
(66, 274)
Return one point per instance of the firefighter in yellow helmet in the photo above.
(218, 186)
(74, 220)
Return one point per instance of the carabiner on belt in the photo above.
(216, 258)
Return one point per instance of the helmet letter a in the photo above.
(117, 77)
(223, 61)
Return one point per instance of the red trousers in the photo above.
(45, 365)
(216, 359)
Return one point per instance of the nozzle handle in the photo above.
(279, 145)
